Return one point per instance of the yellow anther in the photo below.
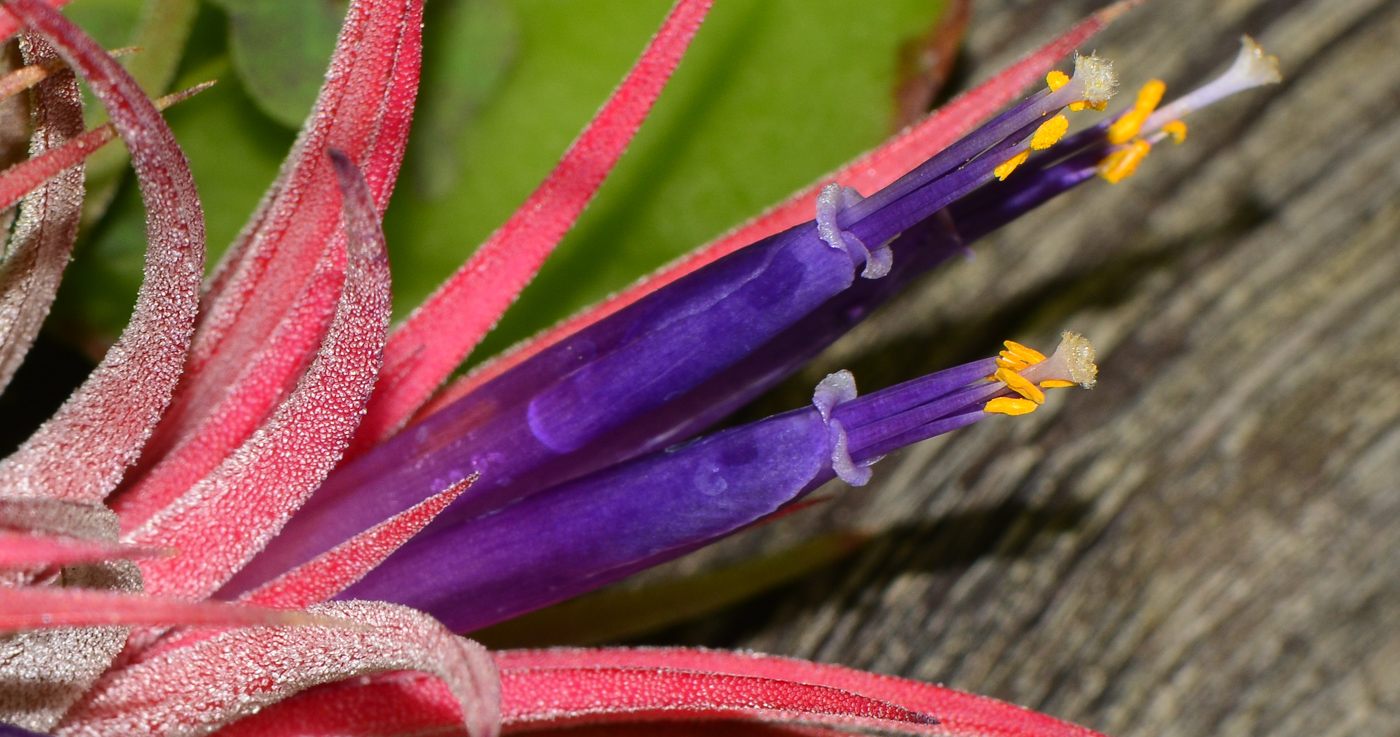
(1025, 353)
(1049, 132)
(1075, 107)
(1056, 384)
(1010, 406)
(1126, 127)
(1005, 169)
(1121, 164)
(1021, 385)
(1056, 80)
(1011, 362)
(1150, 96)
(1015, 364)
(1176, 129)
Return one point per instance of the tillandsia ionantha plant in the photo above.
(220, 531)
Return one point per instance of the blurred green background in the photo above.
(773, 94)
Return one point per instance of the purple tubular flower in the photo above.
(756, 313)
(591, 531)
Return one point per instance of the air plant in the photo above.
(182, 538)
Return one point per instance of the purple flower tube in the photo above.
(594, 384)
(591, 531)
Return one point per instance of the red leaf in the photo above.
(957, 713)
(225, 519)
(331, 572)
(9, 24)
(27, 550)
(48, 222)
(273, 294)
(868, 173)
(388, 705)
(218, 680)
(594, 694)
(83, 450)
(433, 340)
(24, 608)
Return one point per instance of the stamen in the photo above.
(1004, 170)
(1021, 385)
(1121, 164)
(1010, 406)
(1025, 353)
(1056, 79)
(1049, 133)
(1128, 126)
(1177, 130)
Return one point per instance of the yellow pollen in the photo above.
(1025, 353)
(1056, 384)
(1005, 169)
(1056, 80)
(1075, 107)
(1126, 127)
(1010, 406)
(1176, 129)
(1049, 132)
(1121, 164)
(1021, 385)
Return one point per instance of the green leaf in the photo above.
(281, 49)
(471, 46)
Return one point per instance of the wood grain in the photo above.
(1208, 543)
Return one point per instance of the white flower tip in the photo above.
(1077, 356)
(1097, 76)
(1253, 67)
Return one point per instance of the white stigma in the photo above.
(1078, 357)
(1097, 77)
(1252, 68)
(1072, 361)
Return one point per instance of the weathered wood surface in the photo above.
(1209, 543)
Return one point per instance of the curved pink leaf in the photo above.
(242, 408)
(83, 450)
(10, 25)
(25, 550)
(225, 519)
(958, 713)
(218, 680)
(26, 608)
(433, 341)
(867, 174)
(594, 694)
(331, 572)
(48, 222)
(270, 274)
(387, 705)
